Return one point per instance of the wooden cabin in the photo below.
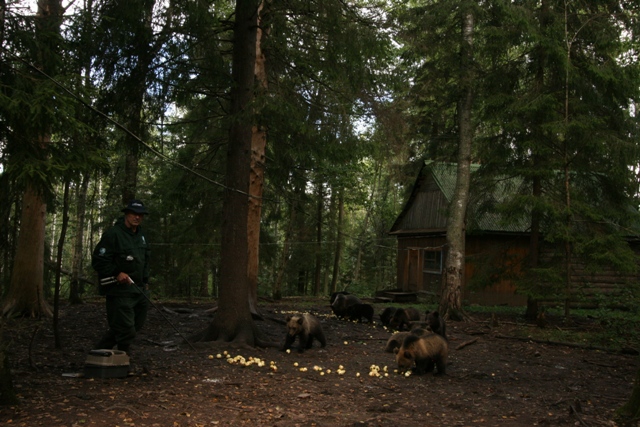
(495, 249)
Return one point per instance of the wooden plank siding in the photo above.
(589, 287)
(497, 259)
(412, 277)
(426, 210)
(495, 249)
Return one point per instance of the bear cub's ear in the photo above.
(300, 320)
(288, 318)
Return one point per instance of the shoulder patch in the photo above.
(102, 251)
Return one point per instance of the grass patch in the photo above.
(615, 330)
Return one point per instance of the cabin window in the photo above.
(432, 261)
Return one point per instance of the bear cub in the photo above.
(437, 324)
(424, 351)
(387, 315)
(307, 328)
(395, 340)
(341, 304)
(356, 312)
(403, 317)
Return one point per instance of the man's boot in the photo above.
(127, 349)
(108, 341)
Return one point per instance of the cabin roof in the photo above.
(425, 212)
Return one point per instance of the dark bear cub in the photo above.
(341, 304)
(402, 318)
(425, 352)
(360, 310)
(437, 324)
(386, 315)
(335, 295)
(395, 340)
(305, 326)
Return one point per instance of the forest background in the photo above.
(276, 141)
(105, 101)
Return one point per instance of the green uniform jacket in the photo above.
(122, 250)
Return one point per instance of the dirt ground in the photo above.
(491, 380)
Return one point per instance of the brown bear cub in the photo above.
(402, 318)
(356, 312)
(342, 302)
(305, 326)
(386, 315)
(425, 352)
(335, 295)
(436, 324)
(395, 341)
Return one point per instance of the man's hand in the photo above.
(124, 278)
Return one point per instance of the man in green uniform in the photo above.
(121, 260)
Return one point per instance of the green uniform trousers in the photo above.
(126, 315)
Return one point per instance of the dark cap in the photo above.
(136, 206)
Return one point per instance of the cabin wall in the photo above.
(494, 258)
(413, 277)
(492, 264)
(605, 286)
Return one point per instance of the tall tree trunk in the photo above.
(255, 211)
(7, 393)
(5, 209)
(302, 234)
(256, 181)
(338, 253)
(203, 290)
(8, 227)
(25, 296)
(276, 291)
(134, 100)
(233, 321)
(3, 11)
(258, 142)
(365, 222)
(61, 239)
(15, 231)
(534, 245)
(318, 270)
(567, 242)
(130, 175)
(75, 287)
(453, 277)
(302, 281)
(567, 162)
(629, 413)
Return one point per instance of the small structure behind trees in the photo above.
(497, 249)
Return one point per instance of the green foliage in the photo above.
(333, 68)
(608, 328)
(604, 327)
(551, 110)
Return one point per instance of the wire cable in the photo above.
(125, 129)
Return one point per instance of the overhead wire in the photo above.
(151, 148)
(125, 129)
